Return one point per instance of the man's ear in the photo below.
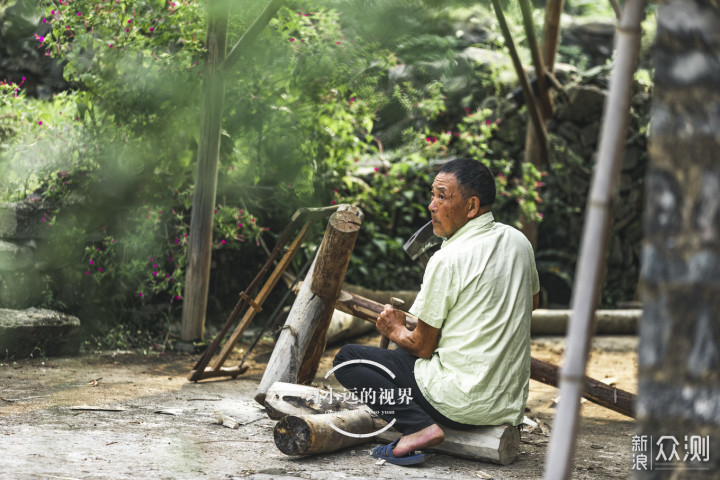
(473, 205)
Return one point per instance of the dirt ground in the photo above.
(164, 425)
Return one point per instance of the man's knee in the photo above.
(347, 352)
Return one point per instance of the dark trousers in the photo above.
(397, 398)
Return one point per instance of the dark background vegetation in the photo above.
(338, 102)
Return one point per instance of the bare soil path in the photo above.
(164, 425)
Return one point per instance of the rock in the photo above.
(21, 220)
(594, 38)
(15, 257)
(22, 332)
(586, 104)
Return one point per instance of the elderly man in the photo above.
(468, 361)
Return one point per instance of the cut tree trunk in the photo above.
(295, 358)
(306, 428)
(332, 262)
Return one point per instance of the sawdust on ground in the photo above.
(164, 426)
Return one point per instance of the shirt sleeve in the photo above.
(534, 279)
(438, 293)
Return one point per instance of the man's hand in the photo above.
(420, 342)
(389, 320)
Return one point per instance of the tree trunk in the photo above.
(197, 278)
(545, 62)
(679, 350)
(295, 357)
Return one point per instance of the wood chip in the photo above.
(92, 408)
(225, 421)
(609, 381)
(484, 475)
(170, 411)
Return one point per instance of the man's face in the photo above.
(448, 209)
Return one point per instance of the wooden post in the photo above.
(298, 349)
(197, 278)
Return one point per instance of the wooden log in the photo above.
(594, 390)
(608, 322)
(597, 392)
(308, 429)
(308, 434)
(332, 261)
(313, 306)
(544, 321)
(291, 399)
(344, 326)
(407, 296)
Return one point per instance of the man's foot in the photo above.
(425, 438)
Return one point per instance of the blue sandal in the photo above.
(384, 452)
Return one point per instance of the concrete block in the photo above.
(24, 331)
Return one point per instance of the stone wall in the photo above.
(23, 228)
(30, 331)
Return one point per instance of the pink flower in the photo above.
(87, 272)
(140, 294)
(92, 262)
(222, 241)
(292, 39)
(152, 29)
(376, 169)
(40, 122)
(100, 269)
(154, 274)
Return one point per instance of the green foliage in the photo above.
(359, 103)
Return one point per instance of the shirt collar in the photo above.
(477, 223)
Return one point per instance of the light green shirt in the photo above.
(477, 289)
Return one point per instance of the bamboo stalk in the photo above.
(551, 32)
(543, 90)
(531, 101)
(594, 242)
